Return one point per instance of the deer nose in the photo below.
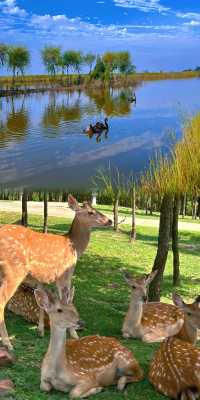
(145, 299)
(110, 222)
(81, 324)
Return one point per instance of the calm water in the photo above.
(42, 144)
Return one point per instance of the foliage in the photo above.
(89, 60)
(18, 59)
(3, 54)
(51, 57)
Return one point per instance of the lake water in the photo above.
(42, 144)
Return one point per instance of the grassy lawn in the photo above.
(126, 211)
(101, 305)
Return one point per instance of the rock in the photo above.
(6, 388)
(6, 358)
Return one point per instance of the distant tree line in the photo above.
(17, 59)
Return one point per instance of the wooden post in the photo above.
(24, 220)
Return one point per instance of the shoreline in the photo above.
(30, 84)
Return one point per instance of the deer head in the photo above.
(139, 286)
(191, 311)
(62, 313)
(87, 215)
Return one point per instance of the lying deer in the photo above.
(83, 366)
(143, 319)
(46, 257)
(175, 369)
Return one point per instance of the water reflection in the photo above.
(16, 125)
(42, 139)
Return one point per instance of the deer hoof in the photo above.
(6, 358)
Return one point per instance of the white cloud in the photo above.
(10, 7)
(192, 23)
(189, 15)
(142, 5)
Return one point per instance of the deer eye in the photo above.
(189, 314)
(133, 287)
(59, 310)
(90, 212)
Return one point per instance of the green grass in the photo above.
(126, 212)
(101, 306)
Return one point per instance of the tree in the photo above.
(175, 240)
(133, 206)
(113, 183)
(99, 69)
(77, 61)
(51, 57)
(124, 63)
(18, 59)
(3, 54)
(24, 220)
(89, 60)
(110, 60)
(45, 226)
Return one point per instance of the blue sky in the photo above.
(160, 34)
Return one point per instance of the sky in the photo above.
(160, 34)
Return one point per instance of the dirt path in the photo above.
(56, 209)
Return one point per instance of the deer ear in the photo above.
(73, 203)
(177, 300)
(151, 277)
(43, 300)
(128, 278)
(71, 295)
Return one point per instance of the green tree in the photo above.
(124, 63)
(51, 57)
(110, 60)
(18, 59)
(99, 69)
(3, 54)
(89, 60)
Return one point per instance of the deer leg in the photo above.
(84, 390)
(40, 327)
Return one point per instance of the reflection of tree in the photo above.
(111, 102)
(55, 114)
(16, 125)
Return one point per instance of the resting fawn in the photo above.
(83, 366)
(175, 369)
(149, 321)
(46, 257)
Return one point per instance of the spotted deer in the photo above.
(46, 257)
(149, 321)
(84, 366)
(175, 369)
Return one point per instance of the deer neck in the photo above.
(135, 311)
(56, 349)
(188, 333)
(79, 235)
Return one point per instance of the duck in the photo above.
(132, 99)
(102, 126)
(98, 127)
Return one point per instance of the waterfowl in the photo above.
(132, 99)
(101, 126)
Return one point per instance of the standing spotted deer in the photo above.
(47, 258)
(149, 321)
(175, 369)
(84, 366)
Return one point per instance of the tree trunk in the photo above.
(133, 228)
(183, 205)
(175, 248)
(195, 206)
(24, 220)
(45, 227)
(163, 247)
(116, 212)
